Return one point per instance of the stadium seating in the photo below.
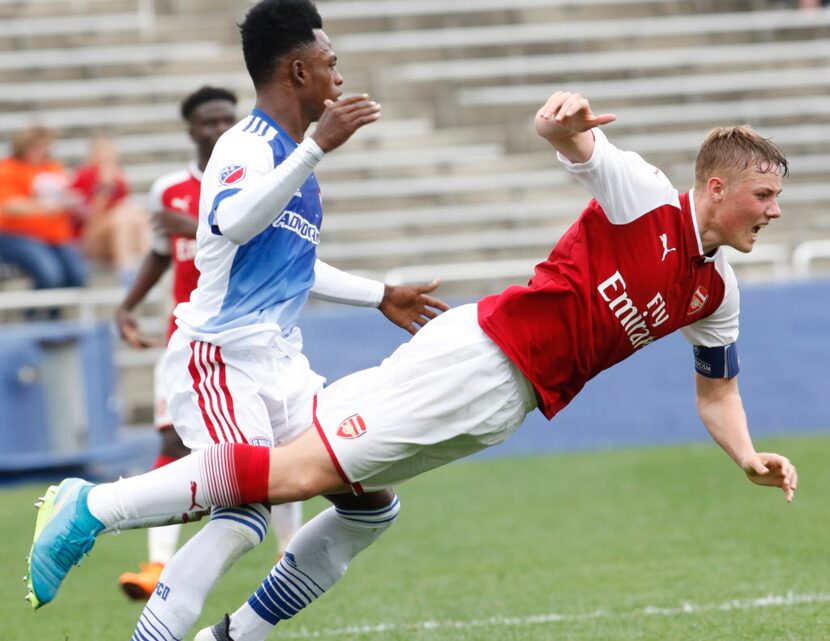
(451, 182)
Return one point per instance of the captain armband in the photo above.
(717, 362)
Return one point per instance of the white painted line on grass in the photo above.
(768, 601)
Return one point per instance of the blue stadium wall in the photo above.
(649, 398)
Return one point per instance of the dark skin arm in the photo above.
(150, 272)
(409, 306)
(170, 223)
(173, 223)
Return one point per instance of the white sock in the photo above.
(316, 558)
(200, 480)
(193, 571)
(162, 542)
(286, 520)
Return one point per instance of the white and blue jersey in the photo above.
(260, 285)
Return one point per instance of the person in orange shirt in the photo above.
(36, 206)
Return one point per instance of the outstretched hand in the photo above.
(409, 306)
(773, 470)
(342, 118)
(568, 111)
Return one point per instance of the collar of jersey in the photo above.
(258, 113)
(706, 258)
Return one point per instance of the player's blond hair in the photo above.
(730, 151)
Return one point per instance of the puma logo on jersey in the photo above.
(181, 204)
(664, 239)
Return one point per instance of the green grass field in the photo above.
(668, 544)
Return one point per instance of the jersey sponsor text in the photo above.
(632, 320)
(294, 222)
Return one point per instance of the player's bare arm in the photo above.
(150, 272)
(565, 121)
(342, 118)
(410, 306)
(174, 223)
(721, 410)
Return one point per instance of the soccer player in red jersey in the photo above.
(641, 261)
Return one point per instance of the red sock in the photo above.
(236, 473)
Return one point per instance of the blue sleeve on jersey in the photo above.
(717, 362)
(212, 215)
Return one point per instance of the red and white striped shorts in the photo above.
(261, 396)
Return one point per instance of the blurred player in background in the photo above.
(641, 261)
(174, 204)
(234, 367)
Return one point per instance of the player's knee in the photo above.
(371, 517)
(300, 484)
(249, 521)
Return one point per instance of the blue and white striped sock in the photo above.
(151, 627)
(193, 571)
(316, 558)
(284, 592)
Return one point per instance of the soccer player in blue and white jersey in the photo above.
(235, 370)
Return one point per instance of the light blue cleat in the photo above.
(65, 530)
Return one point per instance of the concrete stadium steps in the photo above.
(117, 90)
(82, 122)
(16, 9)
(426, 75)
(810, 80)
(78, 23)
(561, 36)
(382, 15)
(455, 85)
(129, 60)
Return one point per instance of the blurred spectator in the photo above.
(36, 206)
(111, 227)
(813, 4)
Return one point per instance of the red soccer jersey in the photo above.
(178, 192)
(630, 270)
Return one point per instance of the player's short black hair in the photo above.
(203, 95)
(271, 29)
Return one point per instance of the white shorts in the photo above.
(447, 393)
(239, 394)
(161, 408)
